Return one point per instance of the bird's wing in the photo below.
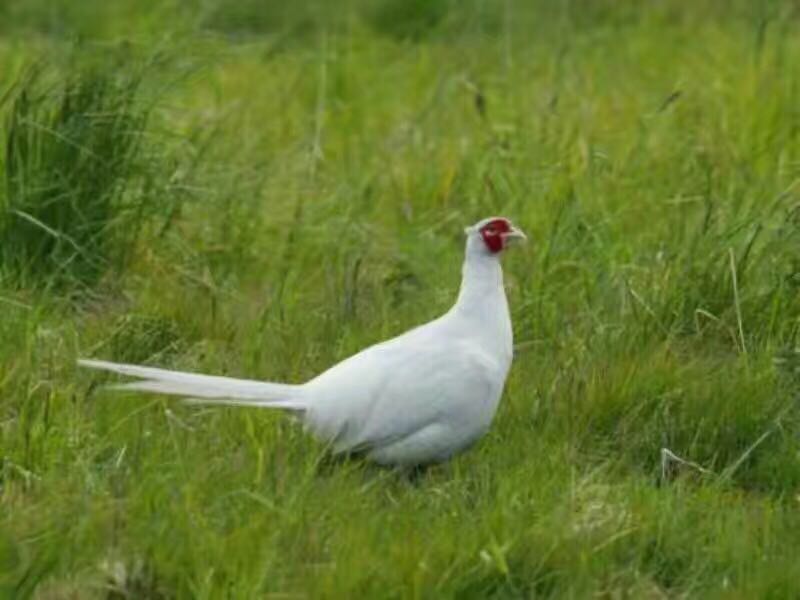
(391, 391)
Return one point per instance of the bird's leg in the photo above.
(416, 474)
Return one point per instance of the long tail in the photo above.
(204, 389)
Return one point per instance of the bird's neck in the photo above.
(481, 308)
(481, 283)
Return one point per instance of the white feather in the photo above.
(206, 387)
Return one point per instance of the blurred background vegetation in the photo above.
(262, 188)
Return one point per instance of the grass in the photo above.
(71, 156)
(306, 179)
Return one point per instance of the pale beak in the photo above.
(514, 236)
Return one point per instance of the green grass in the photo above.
(305, 178)
(72, 155)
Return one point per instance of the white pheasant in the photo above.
(416, 399)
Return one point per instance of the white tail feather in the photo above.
(206, 389)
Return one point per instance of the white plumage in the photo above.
(416, 399)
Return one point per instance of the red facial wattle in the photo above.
(493, 233)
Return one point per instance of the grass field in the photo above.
(260, 190)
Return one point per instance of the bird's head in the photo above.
(493, 235)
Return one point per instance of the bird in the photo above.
(411, 401)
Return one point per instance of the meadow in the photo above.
(260, 189)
